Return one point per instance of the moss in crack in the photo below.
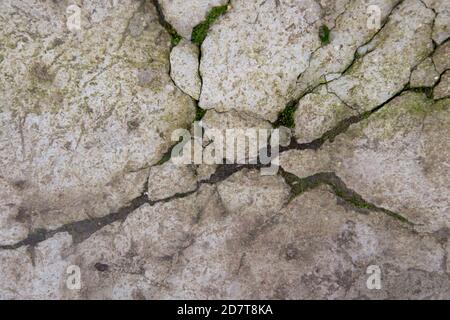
(199, 113)
(175, 38)
(199, 32)
(350, 197)
(299, 186)
(428, 91)
(165, 157)
(286, 117)
(324, 34)
(342, 126)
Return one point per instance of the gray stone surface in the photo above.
(83, 113)
(425, 75)
(184, 68)
(319, 112)
(87, 114)
(442, 89)
(401, 45)
(214, 122)
(169, 179)
(440, 57)
(441, 28)
(248, 57)
(185, 15)
(396, 159)
(313, 247)
(349, 34)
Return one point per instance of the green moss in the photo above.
(1, 58)
(324, 34)
(175, 38)
(411, 105)
(165, 157)
(286, 117)
(199, 113)
(428, 91)
(358, 202)
(299, 186)
(200, 31)
(350, 197)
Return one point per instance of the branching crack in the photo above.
(174, 36)
(299, 186)
(81, 230)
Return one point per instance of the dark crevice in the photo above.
(199, 113)
(340, 128)
(356, 54)
(82, 230)
(286, 117)
(349, 196)
(224, 171)
(174, 36)
(200, 31)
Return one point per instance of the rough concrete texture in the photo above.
(214, 122)
(385, 70)
(425, 75)
(84, 113)
(169, 179)
(441, 27)
(184, 68)
(442, 89)
(185, 15)
(247, 58)
(319, 112)
(395, 159)
(92, 206)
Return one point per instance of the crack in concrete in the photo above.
(311, 57)
(355, 54)
(81, 230)
(168, 27)
(343, 125)
(226, 170)
(340, 128)
(200, 53)
(340, 189)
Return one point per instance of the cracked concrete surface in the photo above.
(86, 122)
